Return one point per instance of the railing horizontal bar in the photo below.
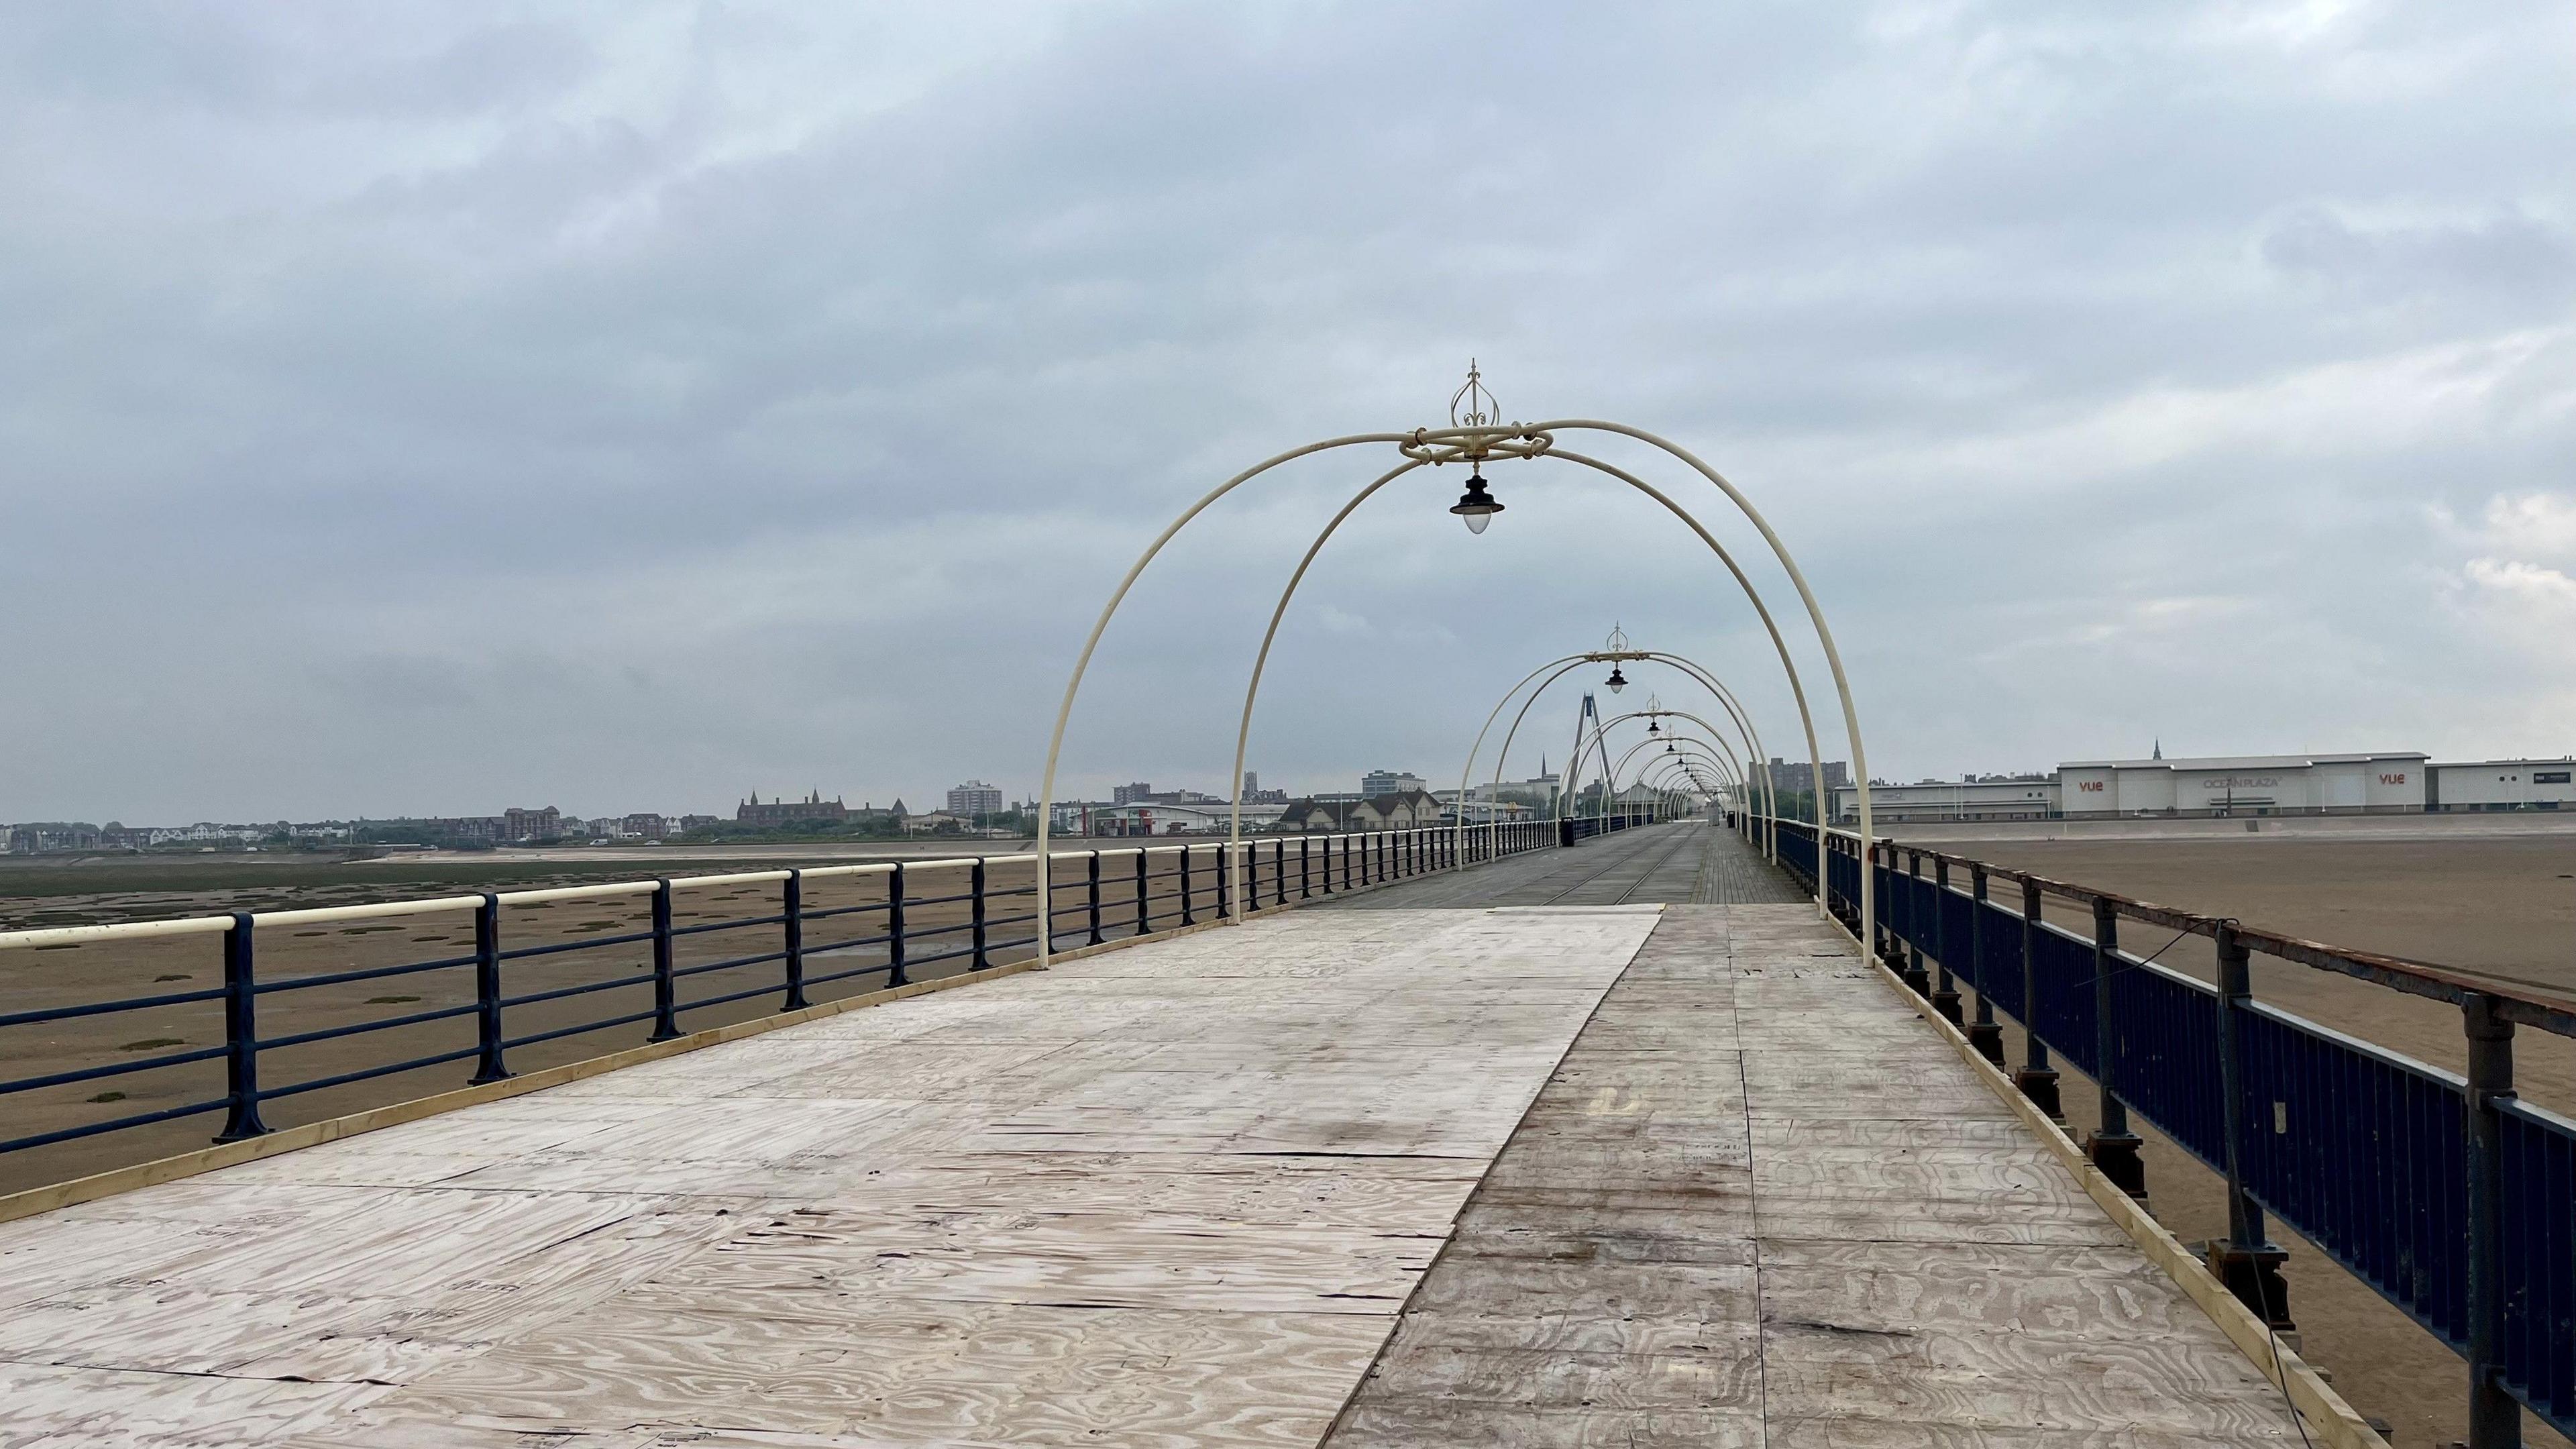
(522, 953)
(361, 1028)
(820, 872)
(703, 967)
(587, 987)
(703, 927)
(140, 1119)
(851, 944)
(881, 966)
(370, 973)
(629, 1019)
(111, 1069)
(118, 931)
(771, 989)
(748, 877)
(580, 892)
(315, 915)
(102, 1008)
(828, 912)
(366, 1073)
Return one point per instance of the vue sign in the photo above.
(2089, 786)
(2397, 779)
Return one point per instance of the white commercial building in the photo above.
(2503, 785)
(2029, 798)
(2353, 784)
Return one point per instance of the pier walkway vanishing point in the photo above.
(1592, 1169)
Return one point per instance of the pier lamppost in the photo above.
(1476, 435)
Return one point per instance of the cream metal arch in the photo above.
(1689, 667)
(1416, 457)
(1689, 760)
(1477, 439)
(1723, 751)
(1699, 751)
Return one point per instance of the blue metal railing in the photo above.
(2446, 1194)
(937, 916)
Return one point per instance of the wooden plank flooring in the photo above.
(1217, 1190)
(1760, 1204)
(1169, 1195)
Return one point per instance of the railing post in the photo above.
(1279, 872)
(895, 954)
(791, 905)
(976, 914)
(1189, 917)
(2036, 1079)
(2246, 1262)
(1894, 915)
(2495, 1421)
(487, 992)
(1305, 876)
(666, 1001)
(1224, 869)
(1945, 989)
(1917, 980)
(1091, 894)
(1144, 897)
(241, 1035)
(2113, 1148)
(1985, 1033)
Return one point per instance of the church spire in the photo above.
(2160, 747)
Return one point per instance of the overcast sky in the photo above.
(429, 409)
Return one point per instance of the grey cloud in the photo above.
(826, 368)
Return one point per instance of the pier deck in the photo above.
(1176, 1194)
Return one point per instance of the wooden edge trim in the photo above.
(2325, 1411)
(31, 1201)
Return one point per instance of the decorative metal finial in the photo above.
(1481, 409)
(1617, 643)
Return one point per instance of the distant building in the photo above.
(974, 798)
(813, 809)
(1799, 776)
(1397, 810)
(2501, 785)
(1996, 797)
(1387, 782)
(1157, 817)
(699, 822)
(1130, 794)
(523, 824)
(2383, 782)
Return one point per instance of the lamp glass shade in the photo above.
(1476, 507)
